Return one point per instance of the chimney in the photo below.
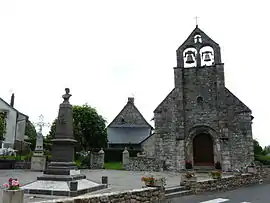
(131, 100)
(12, 100)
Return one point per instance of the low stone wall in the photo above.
(22, 165)
(143, 164)
(97, 160)
(225, 183)
(7, 164)
(139, 195)
(13, 164)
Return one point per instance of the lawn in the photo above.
(113, 166)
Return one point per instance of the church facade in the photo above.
(201, 121)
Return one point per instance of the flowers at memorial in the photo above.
(13, 184)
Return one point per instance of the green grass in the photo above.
(113, 166)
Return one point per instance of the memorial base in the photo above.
(63, 185)
(38, 163)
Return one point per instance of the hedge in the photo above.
(265, 160)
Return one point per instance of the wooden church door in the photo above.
(203, 154)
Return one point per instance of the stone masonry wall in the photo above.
(148, 146)
(144, 164)
(200, 98)
(226, 183)
(97, 160)
(132, 196)
(141, 163)
(241, 142)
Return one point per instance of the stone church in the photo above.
(200, 120)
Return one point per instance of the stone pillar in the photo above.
(101, 158)
(125, 158)
(63, 145)
(38, 160)
(13, 196)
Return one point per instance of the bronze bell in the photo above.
(189, 56)
(207, 55)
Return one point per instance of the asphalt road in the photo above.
(253, 194)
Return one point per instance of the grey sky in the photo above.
(105, 51)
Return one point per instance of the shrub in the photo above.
(28, 156)
(265, 160)
(216, 174)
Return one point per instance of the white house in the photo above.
(15, 123)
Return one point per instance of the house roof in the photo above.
(128, 135)
(2, 100)
(127, 113)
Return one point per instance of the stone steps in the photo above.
(204, 169)
(176, 191)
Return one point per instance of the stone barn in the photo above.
(201, 120)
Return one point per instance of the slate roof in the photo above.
(128, 135)
(2, 100)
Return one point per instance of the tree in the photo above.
(31, 133)
(89, 128)
(49, 137)
(258, 150)
(2, 128)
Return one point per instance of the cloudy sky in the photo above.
(106, 51)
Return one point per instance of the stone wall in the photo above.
(226, 183)
(13, 164)
(141, 163)
(133, 196)
(97, 159)
(22, 165)
(228, 119)
(148, 146)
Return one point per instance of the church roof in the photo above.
(235, 103)
(128, 135)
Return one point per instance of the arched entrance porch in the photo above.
(202, 146)
(203, 150)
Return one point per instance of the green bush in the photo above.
(8, 157)
(265, 160)
(28, 156)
